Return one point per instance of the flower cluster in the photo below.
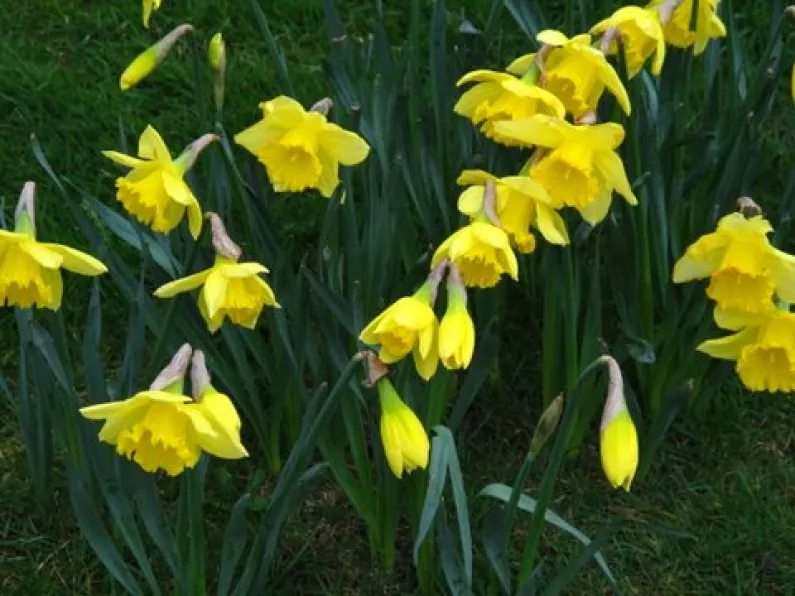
(573, 164)
(752, 284)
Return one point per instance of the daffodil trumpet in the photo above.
(145, 63)
(230, 289)
(30, 270)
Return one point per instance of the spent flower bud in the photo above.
(173, 375)
(547, 425)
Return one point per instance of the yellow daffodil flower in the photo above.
(575, 73)
(457, 330)
(301, 149)
(582, 169)
(499, 96)
(229, 289)
(407, 325)
(161, 429)
(745, 270)
(481, 251)
(641, 33)
(520, 203)
(146, 62)
(618, 438)
(149, 6)
(406, 444)
(708, 24)
(30, 271)
(154, 191)
(764, 348)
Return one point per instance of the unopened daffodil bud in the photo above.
(405, 441)
(30, 270)
(618, 439)
(547, 425)
(149, 59)
(229, 289)
(457, 330)
(216, 56)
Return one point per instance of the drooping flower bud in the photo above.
(149, 59)
(457, 330)
(547, 425)
(618, 439)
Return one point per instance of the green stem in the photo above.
(172, 309)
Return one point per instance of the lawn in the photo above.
(726, 481)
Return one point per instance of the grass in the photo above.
(727, 481)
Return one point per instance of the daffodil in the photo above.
(407, 325)
(405, 441)
(154, 191)
(30, 271)
(216, 56)
(744, 269)
(500, 96)
(301, 149)
(482, 252)
(582, 169)
(457, 330)
(764, 348)
(229, 289)
(575, 72)
(161, 429)
(149, 6)
(146, 62)
(520, 202)
(708, 24)
(618, 438)
(641, 34)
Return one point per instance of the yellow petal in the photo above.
(346, 147)
(237, 270)
(218, 410)
(426, 365)
(521, 64)
(42, 254)
(597, 209)
(551, 225)
(612, 169)
(181, 285)
(701, 258)
(472, 177)
(544, 131)
(782, 266)
(734, 320)
(121, 158)
(195, 219)
(214, 291)
(470, 202)
(151, 145)
(124, 419)
(77, 261)
(482, 76)
(552, 37)
(729, 347)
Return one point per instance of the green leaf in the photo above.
(493, 534)
(93, 530)
(437, 478)
(274, 51)
(528, 16)
(461, 507)
(156, 523)
(502, 492)
(46, 346)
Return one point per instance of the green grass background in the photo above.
(730, 482)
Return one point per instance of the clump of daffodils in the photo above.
(752, 284)
(163, 429)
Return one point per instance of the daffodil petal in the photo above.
(729, 347)
(151, 146)
(184, 284)
(77, 261)
(122, 159)
(347, 147)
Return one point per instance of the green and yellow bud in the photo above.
(146, 62)
(618, 439)
(457, 330)
(405, 441)
(216, 52)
